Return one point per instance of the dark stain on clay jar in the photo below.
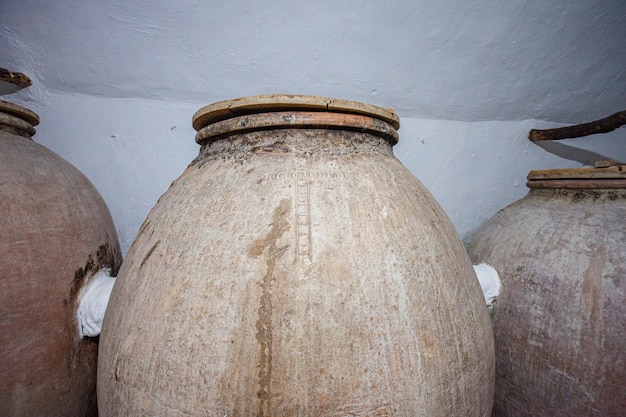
(275, 148)
(106, 257)
(268, 244)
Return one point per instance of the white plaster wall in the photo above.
(132, 149)
(447, 59)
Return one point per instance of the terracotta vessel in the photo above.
(55, 232)
(559, 323)
(296, 268)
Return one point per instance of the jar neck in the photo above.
(580, 195)
(306, 143)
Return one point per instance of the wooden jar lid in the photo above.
(227, 109)
(610, 176)
(19, 111)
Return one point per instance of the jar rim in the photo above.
(226, 109)
(297, 120)
(579, 178)
(11, 81)
(20, 112)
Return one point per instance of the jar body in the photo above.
(55, 233)
(296, 272)
(559, 320)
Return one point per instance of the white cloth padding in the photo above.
(489, 282)
(92, 303)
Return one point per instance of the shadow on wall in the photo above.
(585, 157)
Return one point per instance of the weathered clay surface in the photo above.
(296, 272)
(55, 232)
(559, 323)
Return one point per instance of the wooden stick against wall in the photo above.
(604, 125)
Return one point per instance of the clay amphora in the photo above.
(55, 233)
(296, 268)
(560, 319)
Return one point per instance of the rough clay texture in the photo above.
(320, 280)
(55, 233)
(559, 320)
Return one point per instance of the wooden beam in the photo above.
(604, 125)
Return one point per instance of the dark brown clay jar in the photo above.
(296, 268)
(55, 233)
(560, 319)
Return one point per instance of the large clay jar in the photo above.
(296, 268)
(560, 319)
(55, 233)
